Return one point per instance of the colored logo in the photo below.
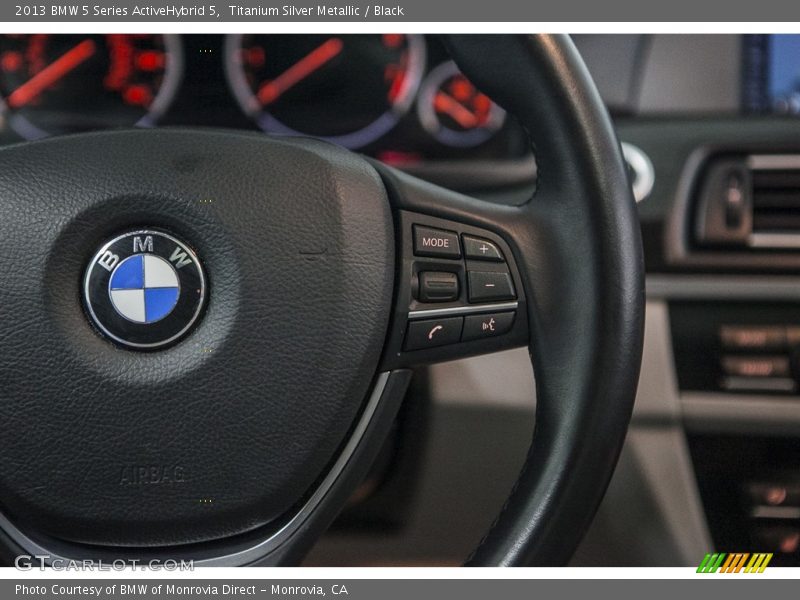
(737, 562)
(144, 289)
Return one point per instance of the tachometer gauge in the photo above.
(347, 89)
(52, 84)
(453, 111)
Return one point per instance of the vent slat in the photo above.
(779, 179)
(776, 201)
(777, 221)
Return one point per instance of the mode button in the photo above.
(436, 242)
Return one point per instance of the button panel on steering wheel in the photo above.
(459, 293)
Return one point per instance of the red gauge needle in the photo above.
(451, 106)
(51, 74)
(272, 90)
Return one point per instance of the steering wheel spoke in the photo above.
(458, 291)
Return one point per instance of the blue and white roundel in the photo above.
(144, 288)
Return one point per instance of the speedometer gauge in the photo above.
(453, 111)
(52, 84)
(347, 89)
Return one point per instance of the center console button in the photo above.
(756, 366)
(753, 337)
(774, 494)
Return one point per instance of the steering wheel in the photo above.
(206, 335)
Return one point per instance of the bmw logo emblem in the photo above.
(144, 289)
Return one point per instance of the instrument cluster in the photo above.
(393, 96)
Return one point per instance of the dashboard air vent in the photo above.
(776, 199)
(751, 201)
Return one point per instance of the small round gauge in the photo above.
(452, 110)
(348, 89)
(53, 84)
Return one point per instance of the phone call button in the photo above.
(429, 333)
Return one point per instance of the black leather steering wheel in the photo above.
(239, 443)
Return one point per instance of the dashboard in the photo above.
(396, 97)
